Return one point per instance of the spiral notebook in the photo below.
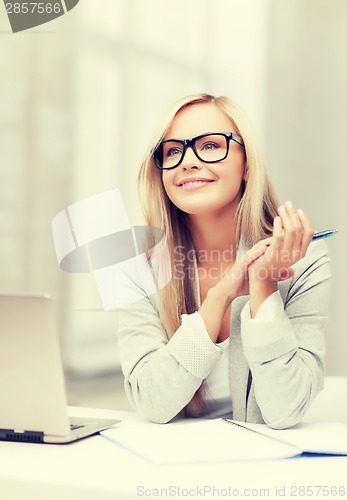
(222, 440)
(325, 438)
(202, 441)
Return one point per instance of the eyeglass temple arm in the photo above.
(237, 139)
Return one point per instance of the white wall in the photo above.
(306, 122)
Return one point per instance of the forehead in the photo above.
(198, 119)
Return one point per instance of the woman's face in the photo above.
(223, 186)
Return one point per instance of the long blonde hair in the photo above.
(255, 212)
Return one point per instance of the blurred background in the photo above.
(80, 97)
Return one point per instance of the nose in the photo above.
(190, 159)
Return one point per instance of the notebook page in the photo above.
(315, 437)
(196, 441)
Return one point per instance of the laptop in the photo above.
(33, 404)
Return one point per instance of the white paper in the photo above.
(324, 438)
(197, 441)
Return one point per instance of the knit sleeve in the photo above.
(285, 342)
(161, 375)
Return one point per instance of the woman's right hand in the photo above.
(234, 281)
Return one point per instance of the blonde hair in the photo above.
(255, 212)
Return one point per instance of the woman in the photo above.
(239, 329)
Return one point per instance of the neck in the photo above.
(214, 235)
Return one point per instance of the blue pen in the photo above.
(324, 234)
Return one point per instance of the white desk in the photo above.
(96, 469)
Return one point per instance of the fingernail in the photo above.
(289, 204)
(301, 212)
(281, 208)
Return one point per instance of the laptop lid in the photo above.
(32, 385)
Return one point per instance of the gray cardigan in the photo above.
(282, 348)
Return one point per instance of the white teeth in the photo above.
(194, 183)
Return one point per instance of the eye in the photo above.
(208, 146)
(173, 151)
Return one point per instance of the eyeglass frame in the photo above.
(186, 143)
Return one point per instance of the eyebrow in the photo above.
(198, 135)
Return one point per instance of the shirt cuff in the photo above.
(269, 334)
(192, 347)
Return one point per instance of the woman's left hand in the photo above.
(292, 234)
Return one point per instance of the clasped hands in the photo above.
(269, 261)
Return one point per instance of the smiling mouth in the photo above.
(191, 185)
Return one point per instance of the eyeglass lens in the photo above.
(209, 148)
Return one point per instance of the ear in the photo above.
(245, 174)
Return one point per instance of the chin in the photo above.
(204, 209)
(201, 203)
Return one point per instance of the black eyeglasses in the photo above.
(209, 148)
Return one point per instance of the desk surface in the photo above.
(95, 468)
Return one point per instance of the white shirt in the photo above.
(216, 387)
